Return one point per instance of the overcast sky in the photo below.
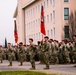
(7, 8)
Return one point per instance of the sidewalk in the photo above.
(57, 69)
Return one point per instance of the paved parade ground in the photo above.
(58, 69)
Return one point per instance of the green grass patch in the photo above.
(23, 73)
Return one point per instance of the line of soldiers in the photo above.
(48, 51)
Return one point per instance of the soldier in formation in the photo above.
(49, 52)
(74, 49)
(21, 53)
(46, 52)
(1, 54)
(32, 51)
(10, 53)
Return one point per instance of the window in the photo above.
(36, 36)
(36, 22)
(44, 4)
(53, 2)
(66, 0)
(31, 12)
(54, 16)
(50, 2)
(66, 13)
(54, 33)
(29, 25)
(47, 18)
(48, 33)
(36, 9)
(50, 17)
(47, 3)
(51, 32)
(39, 35)
(66, 31)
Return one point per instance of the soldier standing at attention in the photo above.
(46, 52)
(40, 48)
(1, 54)
(71, 51)
(10, 53)
(21, 53)
(74, 49)
(32, 51)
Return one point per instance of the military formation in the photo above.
(48, 51)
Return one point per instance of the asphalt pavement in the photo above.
(68, 69)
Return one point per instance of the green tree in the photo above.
(5, 43)
(72, 24)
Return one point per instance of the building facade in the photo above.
(56, 17)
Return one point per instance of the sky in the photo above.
(7, 8)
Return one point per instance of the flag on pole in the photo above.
(15, 32)
(42, 27)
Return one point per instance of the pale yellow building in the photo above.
(28, 13)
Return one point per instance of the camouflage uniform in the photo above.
(10, 53)
(40, 52)
(54, 53)
(71, 53)
(60, 55)
(1, 54)
(4, 54)
(21, 55)
(46, 52)
(32, 50)
(65, 53)
(74, 51)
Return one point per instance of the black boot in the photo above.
(10, 64)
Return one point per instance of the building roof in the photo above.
(28, 3)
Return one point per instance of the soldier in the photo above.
(56, 47)
(65, 51)
(32, 50)
(5, 53)
(10, 53)
(25, 52)
(1, 54)
(60, 54)
(21, 53)
(74, 49)
(71, 51)
(40, 48)
(54, 52)
(46, 52)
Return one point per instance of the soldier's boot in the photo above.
(41, 62)
(10, 64)
(1, 61)
(21, 64)
(47, 67)
(33, 67)
(75, 66)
